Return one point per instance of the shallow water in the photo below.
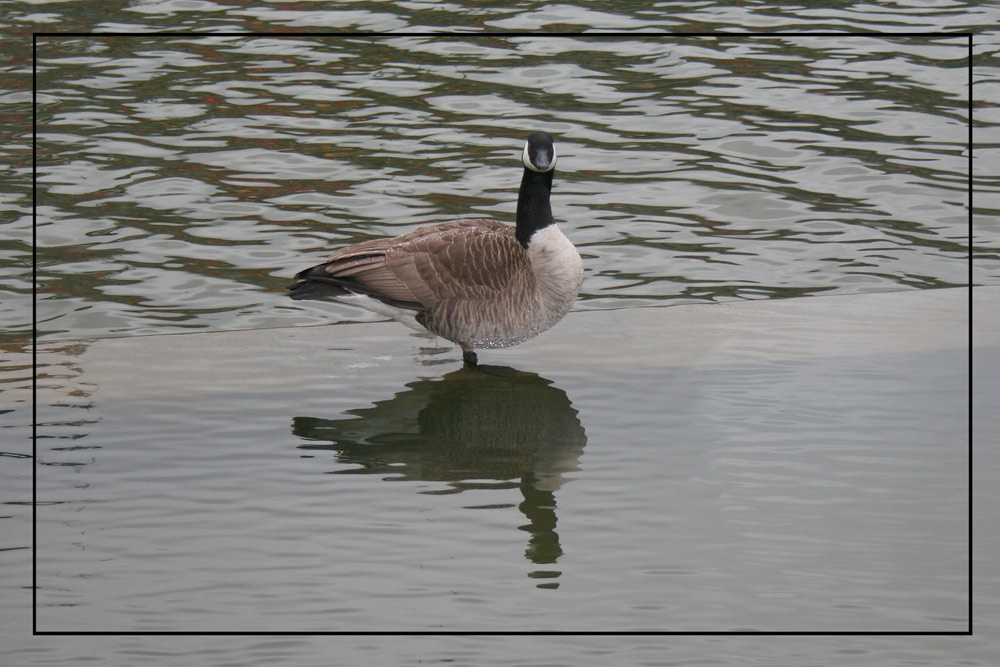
(343, 489)
(183, 180)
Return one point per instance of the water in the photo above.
(783, 466)
(330, 489)
(183, 180)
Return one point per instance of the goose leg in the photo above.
(469, 357)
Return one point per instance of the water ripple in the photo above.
(692, 169)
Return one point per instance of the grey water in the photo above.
(334, 484)
(354, 478)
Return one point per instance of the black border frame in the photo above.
(463, 34)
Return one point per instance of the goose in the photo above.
(479, 283)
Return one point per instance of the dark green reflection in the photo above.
(465, 428)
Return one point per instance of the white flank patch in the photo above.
(401, 315)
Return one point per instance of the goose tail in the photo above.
(316, 283)
(315, 289)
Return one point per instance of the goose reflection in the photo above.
(466, 428)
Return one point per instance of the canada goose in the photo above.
(478, 283)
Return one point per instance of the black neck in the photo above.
(533, 209)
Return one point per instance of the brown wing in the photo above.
(466, 259)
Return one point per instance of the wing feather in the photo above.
(466, 259)
(463, 261)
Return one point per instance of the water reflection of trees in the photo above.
(466, 428)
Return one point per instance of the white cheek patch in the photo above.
(527, 160)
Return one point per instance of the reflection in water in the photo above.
(465, 428)
(65, 412)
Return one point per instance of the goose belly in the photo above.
(492, 324)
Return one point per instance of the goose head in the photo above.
(539, 153)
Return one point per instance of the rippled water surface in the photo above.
(182, 180)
